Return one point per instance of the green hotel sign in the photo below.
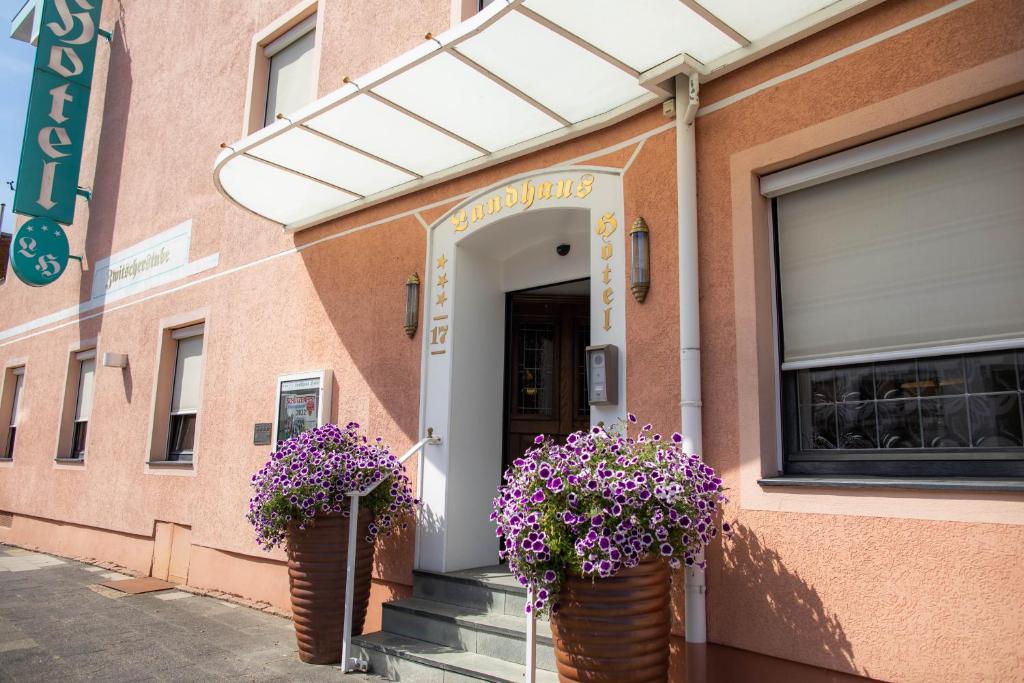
(51, 152)
(39, 252)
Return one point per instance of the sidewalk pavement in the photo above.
(58, 624)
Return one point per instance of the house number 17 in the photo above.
(438, 334)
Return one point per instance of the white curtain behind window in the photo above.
(187, 375)
(292, 82)
(19, 379)
(923, 252)
(85, 385)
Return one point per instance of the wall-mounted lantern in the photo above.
(412, 304)
(640, 263)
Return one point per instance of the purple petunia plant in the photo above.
(310, 474)
(601, 502)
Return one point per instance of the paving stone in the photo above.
(172, 595)
(114, 576)
(20, 644)
(55, 626)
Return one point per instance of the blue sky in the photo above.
(15, 78)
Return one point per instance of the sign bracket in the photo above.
(84, 192)
(106, 35)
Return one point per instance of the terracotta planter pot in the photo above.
(316, 576)
(614, 630)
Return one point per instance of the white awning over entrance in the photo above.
(518, 76)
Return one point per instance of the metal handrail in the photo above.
(349, 664)
(531, 636)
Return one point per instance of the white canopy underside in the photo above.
(515, 77)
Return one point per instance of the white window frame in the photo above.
(294, 34)
(80, 357)
(177, 335)
(297, 31)
(971, 125)
(259, 63)
(18, 375)
(325, 377)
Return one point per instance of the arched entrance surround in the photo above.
(503, 239)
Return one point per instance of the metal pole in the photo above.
(3, 206)
(531, 637)
(350, 582)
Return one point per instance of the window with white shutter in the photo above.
(901, 314)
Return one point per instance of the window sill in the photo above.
(70, 461)
(916, 483)
(182, 464)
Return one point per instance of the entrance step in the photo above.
(398, 658)
(458, 626)
(488, 589)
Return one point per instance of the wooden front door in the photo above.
(545, 365)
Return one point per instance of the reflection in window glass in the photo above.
(964, 401)
(536, 369)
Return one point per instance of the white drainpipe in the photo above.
(689, 318)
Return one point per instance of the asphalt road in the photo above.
(58, 624)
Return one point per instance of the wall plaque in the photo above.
(261, 433)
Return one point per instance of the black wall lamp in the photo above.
(412, 304)
(640, 260)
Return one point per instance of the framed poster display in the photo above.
(303, 401)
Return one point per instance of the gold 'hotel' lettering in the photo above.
(525, 195)
(606, 226)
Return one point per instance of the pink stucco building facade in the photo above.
(875, 551)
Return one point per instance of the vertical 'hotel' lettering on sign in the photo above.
(606, 227)
(51, 153)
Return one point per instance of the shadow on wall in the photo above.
(779, 600)
(102, 207)
(395, 552)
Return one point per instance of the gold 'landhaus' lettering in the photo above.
(586, 185)
(459, 221)
(526, 195)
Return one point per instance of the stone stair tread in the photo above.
(496, 577)
(451, 659)
(465, 616)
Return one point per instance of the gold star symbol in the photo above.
(442, 280)
(441, 298)
(442, 262)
